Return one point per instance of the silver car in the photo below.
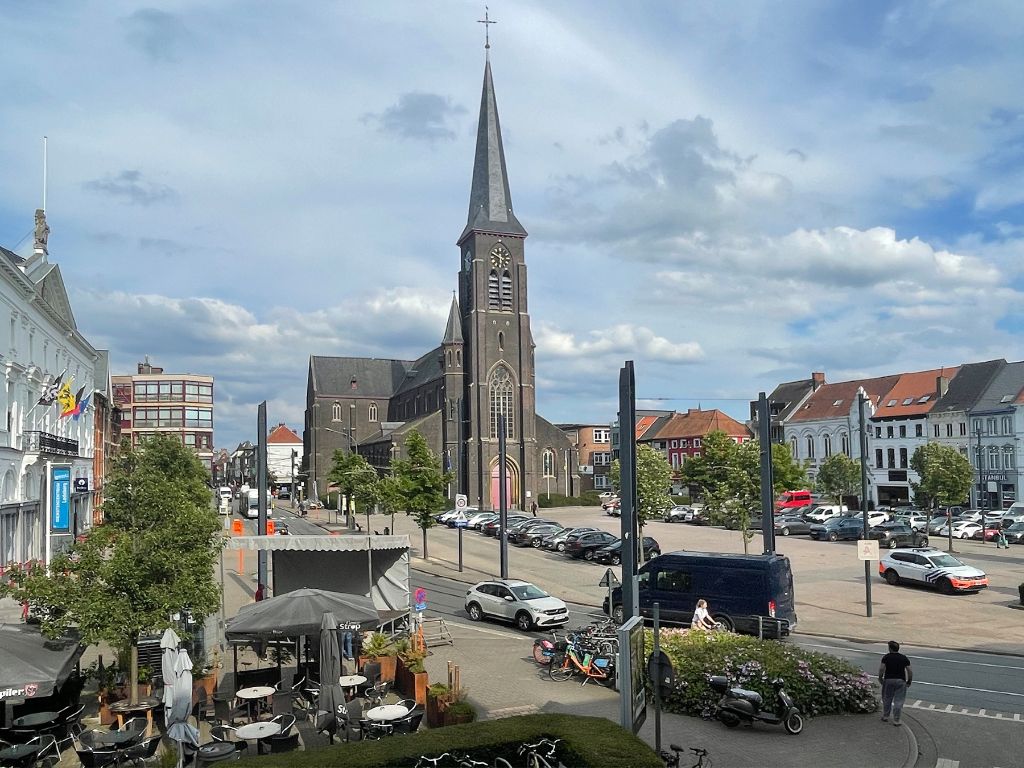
(520, 602)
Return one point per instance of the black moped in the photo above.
(739, 705)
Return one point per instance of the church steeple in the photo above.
(453, 333)
(490, 201)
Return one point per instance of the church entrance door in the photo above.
(511, 485)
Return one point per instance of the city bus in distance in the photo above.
(252, 503)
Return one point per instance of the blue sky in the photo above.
(730, 194)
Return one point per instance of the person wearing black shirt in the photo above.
(895, 675)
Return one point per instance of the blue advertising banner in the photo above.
(60, 499)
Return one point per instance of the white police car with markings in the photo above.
(931, 567)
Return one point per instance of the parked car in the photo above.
(974, 515)
(478, 519)
(753, 524)
(468, 512)
(613, 508)
(962, 529)
(443, 517)
(823, 512)
(991, 531)
(1015, 533)
(931, 567)
(875, 516)
(612, 553)
(606, 495)
(283, 494)
(838, 528)
(790, 524)
(607, 502)
(895, 534)
(557, 540)
(936, 524)
(793, 499)
(916, 521)
(493, 528)
(532, 536)
(281, 529)
(517, 601)
(586, 544)
(1009, 519)
(678, 514)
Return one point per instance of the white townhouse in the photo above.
(996, 426)
(46, 460)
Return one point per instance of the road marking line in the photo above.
(1016, 717)
(944, 763)
(966, 688)
(919, 658)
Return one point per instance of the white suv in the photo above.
(517, 601)
(931, 567)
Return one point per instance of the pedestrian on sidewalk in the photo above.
(895, 675)
(533, 508)
(1001, 540)
(259, 592)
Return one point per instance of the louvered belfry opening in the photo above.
(493, 301)
(506, 292)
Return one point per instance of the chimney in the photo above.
(941, 385)
(817, 380)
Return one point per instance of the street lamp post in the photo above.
(292, 494)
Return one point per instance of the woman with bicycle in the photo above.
(701, 618)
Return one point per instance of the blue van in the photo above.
(738, 588)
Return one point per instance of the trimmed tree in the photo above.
(422, 482)
(787, 473)
(154, 555)
(389, 496)
(653, 478)
(946, 474)
(355, 478)
(839, 476)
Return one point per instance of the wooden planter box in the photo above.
(208, 683)
(388, 664)
(457, 718)
(411, 684)
(435, 711)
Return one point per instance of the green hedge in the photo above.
(680, 499)
(820, 684)
(586, 741)
(586, 499)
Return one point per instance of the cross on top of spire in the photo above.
(486, 21)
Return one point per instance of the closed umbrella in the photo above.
(180, 704)
(331, 693)
(169, 654)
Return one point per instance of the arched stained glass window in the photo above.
(336, 412)
(549, 463)
(501, 390)
(372, 415)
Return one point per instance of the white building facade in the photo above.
(46, 460)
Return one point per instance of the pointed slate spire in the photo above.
(490, 202)
(453, 333)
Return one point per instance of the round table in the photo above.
(387, 712)
(35, 719)
(215, 752)
(350, 682)
(257, 731)
(145, 706)
(120, 738)
(253, 693)
(20, 754)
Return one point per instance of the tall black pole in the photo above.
(292, 494)
(627, 490)
(764, 434)
(261, 485)
(982, 494)
(502, 497)
(864, 493)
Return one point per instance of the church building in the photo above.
(457, 394)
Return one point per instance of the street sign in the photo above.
(609, 579)
(460, 520)
(867, 549)
(420, 599)
(659, 668)
(461, 501)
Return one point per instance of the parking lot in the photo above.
(829, 580)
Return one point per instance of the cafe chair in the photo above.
(282, 703)
(279, 741)
(97, 757)
(225, 711)
(69, 726)
(375, 695)
(409, 704)
(227, 733)
(144, 751)
(373, 729)
(45, 752)
(204, 707)
(410, 723)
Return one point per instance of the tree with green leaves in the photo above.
(946, 474)
(355, 478)
(423, 483)
(788, 474)
(839, 476)
(389, 496)
(653, 479)
(153, 556)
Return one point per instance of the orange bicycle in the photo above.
(593, 666)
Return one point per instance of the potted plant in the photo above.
(145, 681)
(206, 673)
(410, 674)
(379, 648)
(437, 701)
(459, 712)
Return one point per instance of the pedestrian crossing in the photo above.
(1014, 717)
(943, 762)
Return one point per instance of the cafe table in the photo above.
(350, 683)
(216, 752)
(258, 730)
(253, 694)
(387, 712)
(36, 721)
(145, 707)
(20, 755)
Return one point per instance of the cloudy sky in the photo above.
(730, 194)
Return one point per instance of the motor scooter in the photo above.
(739, 705)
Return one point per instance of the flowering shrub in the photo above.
(819, 684)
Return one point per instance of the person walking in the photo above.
(895, 675)
(533, 508)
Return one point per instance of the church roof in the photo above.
(490, 201)
(426, 369)
(453, 333)
(357, 376)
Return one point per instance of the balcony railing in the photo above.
(44, 442)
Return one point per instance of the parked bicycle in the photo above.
(672, 758)
(593, 666)
(541, 754)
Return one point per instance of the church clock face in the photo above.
(500, 257)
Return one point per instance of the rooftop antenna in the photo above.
(486, 21)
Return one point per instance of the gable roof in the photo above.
(915, 394)
(696, 422)
(356, 376)
(424, 370)
(833, 401)
(282, 434)
(969, 386)
(786, 398)
(1006, 388)
(644, 424)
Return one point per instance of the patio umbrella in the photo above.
(331, 693)
(180, 704)
(33, 666)
(169, 654)
(300, 612)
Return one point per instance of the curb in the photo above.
(912, 748)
